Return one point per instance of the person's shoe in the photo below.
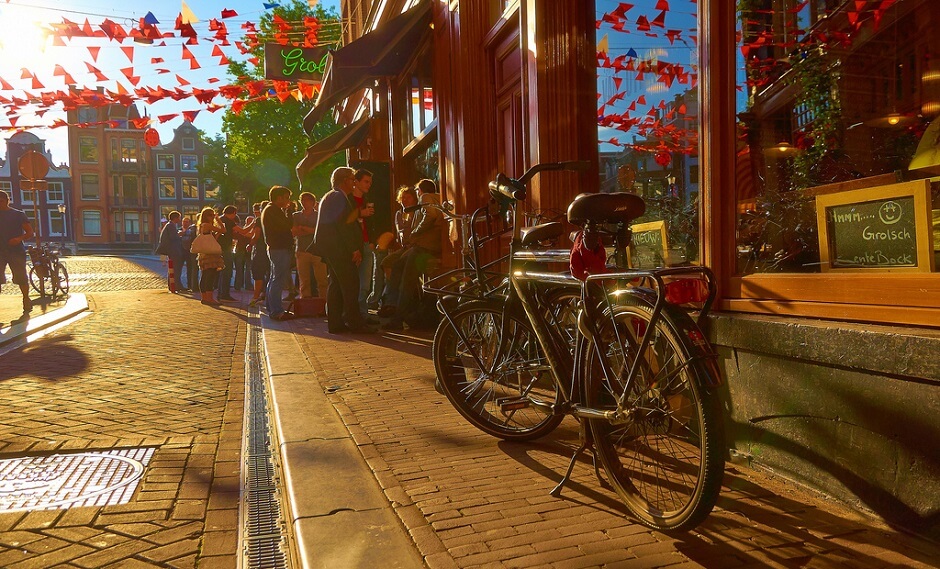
(27, 305)
(386, 311)
(393, 326)
(228, 298)
(283, 316)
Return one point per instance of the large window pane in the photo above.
(90, 187)
(87, 150)
(837, 103)
(648, 109)
(91, 222)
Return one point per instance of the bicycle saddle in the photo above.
(619, 207)
(532, 235)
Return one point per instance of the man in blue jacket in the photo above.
(171, 245)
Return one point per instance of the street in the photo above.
(144, 400)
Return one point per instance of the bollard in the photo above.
(170, 277)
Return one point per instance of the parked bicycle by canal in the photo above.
(46, 266)
(520, 349)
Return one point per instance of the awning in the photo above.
(324, 149)
(382, 52)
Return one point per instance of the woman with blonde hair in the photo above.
(210, 264)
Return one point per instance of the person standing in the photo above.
(339, 239)
(15, 230)
(311, 271)
(171, 245)
(242, 247)
(260, 264)
(229, 220)
(210, 264)
(277, 234)
(363, 183)
(187, 234)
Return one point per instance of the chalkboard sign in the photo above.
(887, 228)
(649, 248)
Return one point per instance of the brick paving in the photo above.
(470, 500)
(145, 368)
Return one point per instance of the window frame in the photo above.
(195, 163)
(86, 213)
(81, 180)
(54, 215)
(59, 189)
(904, 299)
(194, 183)
(160, 193)
(94, 146)
(161, 157)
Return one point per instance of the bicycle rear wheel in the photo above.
(665, 458)
(494, 373)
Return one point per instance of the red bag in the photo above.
(312, 306)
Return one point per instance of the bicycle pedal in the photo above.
(508, 404)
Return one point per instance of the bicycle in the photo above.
(46, 265)
(623, 357)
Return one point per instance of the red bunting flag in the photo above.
(226, 13)
(4, 85)
(129, 52)
(662, 5)
(190, 115)
(660, 21)
(181, 81)
(165, 118)
(94, 52)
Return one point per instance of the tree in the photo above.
(265, 140)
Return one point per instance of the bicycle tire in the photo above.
(60, 283)
(498, 403)
(666, 460)
(37, 282)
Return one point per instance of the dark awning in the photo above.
(380, 53)
(324, 149)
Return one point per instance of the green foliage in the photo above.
(264, 141)
(819, 138)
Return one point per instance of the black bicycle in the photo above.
(46, 266)
(619, 352)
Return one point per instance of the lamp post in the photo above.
(64, 226)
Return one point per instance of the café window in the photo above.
(166, 162)
(91, 222)
(837, 123)
(648, 123)
(190, 188)
(418, 93)
(90, 186)
(167, 187)
(189, 162)
(87, 150)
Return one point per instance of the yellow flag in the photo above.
(188, 16)
(602, 45)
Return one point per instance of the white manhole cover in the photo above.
(69, 480)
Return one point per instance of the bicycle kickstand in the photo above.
(556, 491)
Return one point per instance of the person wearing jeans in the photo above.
(276, 227)
(229, 220)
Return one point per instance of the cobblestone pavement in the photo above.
(145, 369)
(470, 500)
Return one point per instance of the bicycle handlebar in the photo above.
(516, 189)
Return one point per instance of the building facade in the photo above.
(799, 135)
(177, 184)
(111, 170)
(44, 208)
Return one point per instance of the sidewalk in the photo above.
(382, 472)
(16, 326)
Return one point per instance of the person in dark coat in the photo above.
(338, 239)
(171, 244)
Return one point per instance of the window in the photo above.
(128, 150)
(165, 212)
(167, 188)
(87, 114)
(647, 124)
(26, 196)
(56, 224)
(211, 190)
(88, 150)
(166, 162)
(838, 123)
(189, 143)
(90, 187)
(55, 193)
(190, 188)
(419, 96)
(131, 189)
(91, 222)
(189, 163)
(131, 223)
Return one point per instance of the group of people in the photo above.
(333, 244)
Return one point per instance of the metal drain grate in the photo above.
(69, 480)
(264, 537)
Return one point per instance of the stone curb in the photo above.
(76, 304)
(337, 510)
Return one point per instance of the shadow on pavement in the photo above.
(48, 358)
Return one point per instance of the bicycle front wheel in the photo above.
(494, 373)
(60, 282)
(664, 456)
(36, 281)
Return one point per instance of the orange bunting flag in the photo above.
(141, 122)
(27, 74)
(181, 81)
(129, 52)
(155, 60)
(187, 54)
(4, 85)
(190, 115)
(193, 64)
(660, 21)
(223, 60)
(94, 52)
(165, 118)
